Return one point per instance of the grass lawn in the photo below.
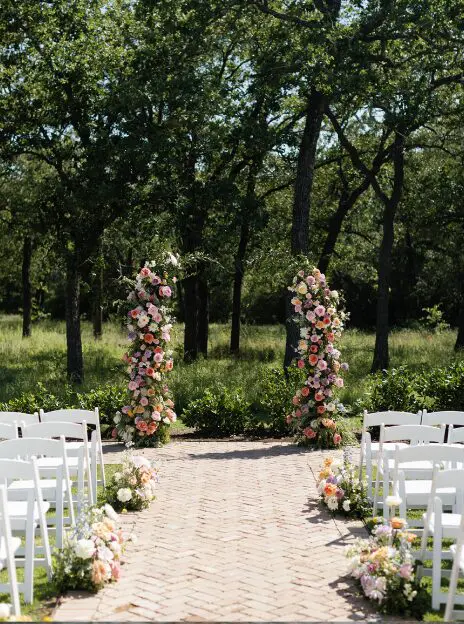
(42, 358)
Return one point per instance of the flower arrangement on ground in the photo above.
(146, 419)
(384, 565)
(133, 487)
(91, 556)
(341, 490)
(321, 325)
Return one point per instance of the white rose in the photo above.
(332, 503)
(393, 501)
(139, 461)
(116, 548)
(171, 259)
(117, 417)
(117, 476)
(5, 610)
(302, 289)
(166, 421)
(330, 407)
(84, 548)
(124, 495)
(109, 511)
(346, 505)
(144, 319)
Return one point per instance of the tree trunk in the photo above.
(237, 289)
(190, 318)
(98, 296)
(203, 314)
(459, 344)
(73, 322)
(381, 355)
(302, 204)
(345, 204)
(26, 283)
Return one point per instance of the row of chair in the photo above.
(422, 472)
(37, 474)
(13, 424)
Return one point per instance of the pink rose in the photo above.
(156, 416)
(145, 272)
(337, 438)
(114, 433)
(310, 280)
(309, 433)
(300, 363)
(406, 571)
(133, 385)
(155, 280)
(339, 382)
(310, 315)
(144, 401)
(158, 357)
(322, 365)
(319, 310)
(115, 570)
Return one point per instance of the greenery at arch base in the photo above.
(146, 418)
(321, 324)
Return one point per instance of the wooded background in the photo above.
(245, 135)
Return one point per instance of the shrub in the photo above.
(217, 413)
(108, 399)
(435, 389)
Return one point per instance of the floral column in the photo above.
(146, 418)
(321, 325)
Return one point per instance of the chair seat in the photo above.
(74, 446)
(453, 551)
(450, 524)
(18, 489)
(15, 544)
(389, 447)
(48, 465)
(418, 492)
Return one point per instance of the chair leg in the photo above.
(436, 569)
(29, 552)
(102, 463)
(453, 586)
(59, 519)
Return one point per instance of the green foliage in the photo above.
(218, 413)
(433, 319)
(440, 388)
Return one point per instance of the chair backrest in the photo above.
(8, 431)
(19, 417)
(455, 435)
(375, 419)
(443, 418)
(25, 448)
(91, 417)
(418, 434)
(443, 453)
(56, 430)
(11, 469)
(449, 479)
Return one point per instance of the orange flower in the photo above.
(313, 359)
(149, 338)
(305, 391)
(330, 489)
(397, 523)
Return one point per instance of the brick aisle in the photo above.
(235, 534)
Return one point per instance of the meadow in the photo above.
(42, 358)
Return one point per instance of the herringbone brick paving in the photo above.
(235, 534)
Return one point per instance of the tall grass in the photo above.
(42, 358)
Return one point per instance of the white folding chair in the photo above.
(443, 418)
(92, 418)
(25, 518)
(19, 417)
(8, 546)
(370, 450)
(413, 473)
(54, 490)
(455, 436)
(402, 436)
(458, 566)
(8, 431)
(78, 457)
(447, 487)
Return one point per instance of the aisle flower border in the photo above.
(341, 490)
(321, 325)
(146, 418)
(133, 487)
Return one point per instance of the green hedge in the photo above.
(433, 389)
(108, 398)
(221, 412)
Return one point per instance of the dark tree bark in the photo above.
(345, 204)
(237, 288)
(302, 204)
(190, 318)
(75, 362)
(381, 353)
(97, 303)
(26, 284)
(459, 344)
(203, 314)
